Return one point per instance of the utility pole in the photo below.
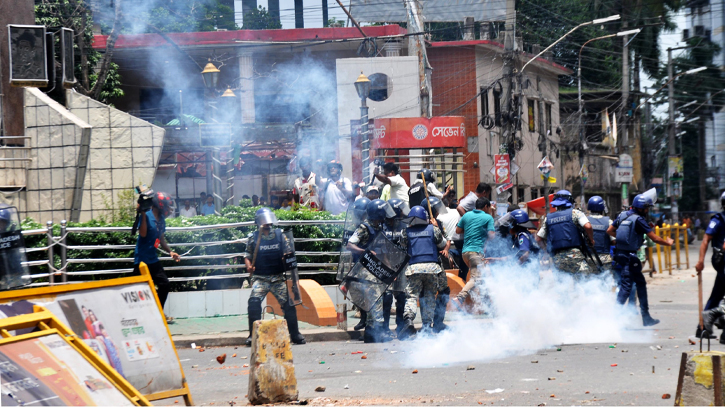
(416, 46)
(624, 140)
(646, 155)
(702, 162)
(509, 60)
(671, 128)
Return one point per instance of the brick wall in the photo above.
(454, 83)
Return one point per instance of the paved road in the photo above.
(577, 374)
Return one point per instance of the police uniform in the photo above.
(523, 244)
(631, 228)
(363, 236)
(424, 273)
(716, 231)
(269, 276)
(397, 289)
(602, 241)
(561, 231)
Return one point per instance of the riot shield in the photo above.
(395, 233)
(346, 261)
(373, 273)
(13, 272)
(290, 269)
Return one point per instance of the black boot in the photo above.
(698, 333)
(440, 310)
(647, 320)
(363, 317)
(387, 306)
(290, 315)
(407, 331)
(254, 310)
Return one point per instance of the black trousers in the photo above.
(457, 254)
(158, 275)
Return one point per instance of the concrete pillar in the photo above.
(246, 73)
(468, 29)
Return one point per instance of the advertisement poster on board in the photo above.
(123, 325)
(502, 168)
(674, 168)
(47, 371)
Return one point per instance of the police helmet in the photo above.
(428, 175)
(722, 199)
(360, 207)
(562, 198)
(519, 216)
(378, 210)
(642, 202)
(418, 216)
(435, 204)
(265, 216)
(399, 206)
(596, 204)
(163, 202)
(5, 213)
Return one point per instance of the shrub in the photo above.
(230, 214)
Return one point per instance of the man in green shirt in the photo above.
(476, 227)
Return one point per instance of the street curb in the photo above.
(238, 338)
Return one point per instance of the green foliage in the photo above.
(334, 22)
(230, 214)
(74, 14)
(186, 16)
(245, 203)
(260, 19)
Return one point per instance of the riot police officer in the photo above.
(444, 292)
(561, 233)
(377, 211)
(600, 223)
(423, 241)
(393, 228)
(629, 230)
(359, 214)
(416, 193)
(522, 239)
(714, 234)
(267, 269)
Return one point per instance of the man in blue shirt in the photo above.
(476, 227)
(150, 237)
(208, 208)
(715, 234)
(629, 230)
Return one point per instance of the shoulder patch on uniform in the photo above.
(521, 240)
(712, 224)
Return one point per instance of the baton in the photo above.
(592, 256)
(256, 250)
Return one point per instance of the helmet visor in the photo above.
(650, 195)
(389, 212)
(404, 208)
(265, 218)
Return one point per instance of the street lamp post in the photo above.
(582, 142)
(362, 86)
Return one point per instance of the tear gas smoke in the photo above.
(530, 315)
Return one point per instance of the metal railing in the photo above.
(58, 246)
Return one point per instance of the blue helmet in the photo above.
(378, 210)
(360, 207)
(642, 202)
(418, 216)
(596, 204)
(265, 216)
(399, 206)
(519, 216)
(435, 204)
(562, 198)
(5, 214)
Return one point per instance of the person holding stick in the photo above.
(715, 234)
(264, 260)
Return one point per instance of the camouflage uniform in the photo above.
(429, 278)
(360, 238)
(570, 260)
(277, 284)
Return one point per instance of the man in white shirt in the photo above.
(337, 190)
(187, 211)
(450, 218)
(483, 190)
(398, 186)
(305, 187)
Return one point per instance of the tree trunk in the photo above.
(95, 93)
(85, 82)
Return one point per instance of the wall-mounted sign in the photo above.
(502, 172)
(27, 55)
(623, 174)
(419, 132)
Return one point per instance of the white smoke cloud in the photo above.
(531, 315)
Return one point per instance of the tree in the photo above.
(98, 76)
(260, 19)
